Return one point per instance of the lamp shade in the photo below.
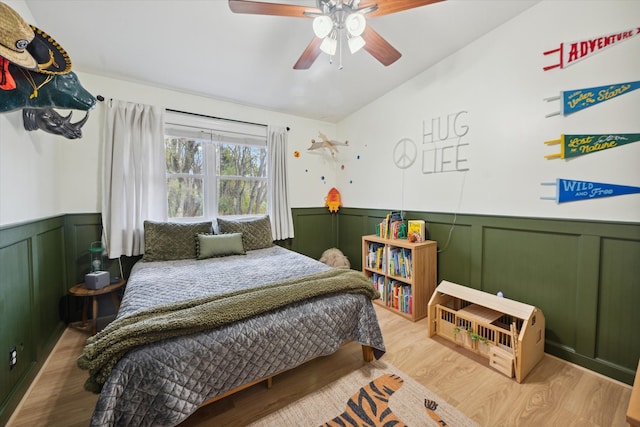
(356, 43)
(329, 45)
(322, 26)
(355, 24)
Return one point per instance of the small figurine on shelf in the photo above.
(402, 231)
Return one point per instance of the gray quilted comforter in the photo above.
(164, 382)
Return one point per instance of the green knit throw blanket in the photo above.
(103, 350)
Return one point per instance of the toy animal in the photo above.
(37, 90)
(335, 258)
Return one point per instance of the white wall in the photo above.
(80, 160)
(44, 175)
(498, 80)
(28, 176)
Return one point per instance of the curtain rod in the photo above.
(101, 98)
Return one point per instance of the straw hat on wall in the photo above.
(28, 46)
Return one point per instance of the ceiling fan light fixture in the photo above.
(329, 46)
(356, 43)
(322, 26)
(355, 24)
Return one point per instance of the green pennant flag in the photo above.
(579, 145)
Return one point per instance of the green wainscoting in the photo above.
(32, 290)
(584, 275)
(39, 262)
(315, 231)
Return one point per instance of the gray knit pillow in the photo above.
(256, 233)
(169, 240)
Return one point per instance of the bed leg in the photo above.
(367, 353)
(269, 382)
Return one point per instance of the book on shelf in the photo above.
(416, 230)
(378, 283)
(400, 262)
(376, 256)
(399, 296)
(390, 227)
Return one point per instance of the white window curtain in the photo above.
(134, 175)
(279, 208)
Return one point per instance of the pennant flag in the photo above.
(572, 52)
(579, 99)
(579, 145)
(569, 190)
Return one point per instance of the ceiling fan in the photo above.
(334, 19)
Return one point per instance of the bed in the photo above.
(192, 329)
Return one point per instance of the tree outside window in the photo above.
(214, 176)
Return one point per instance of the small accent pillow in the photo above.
(218, 245)
(256, 233)
(171, 240)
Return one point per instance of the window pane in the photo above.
(184, 155)
(185, 197)
(242, 196)
(242, 160)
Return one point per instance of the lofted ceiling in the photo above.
(201, 47)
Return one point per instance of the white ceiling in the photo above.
(201, 47)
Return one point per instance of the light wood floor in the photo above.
(555, 393)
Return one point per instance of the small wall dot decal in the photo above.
(306, 170)
(296, 154)
(358, 157)
(342, 167)
(350, 181)
(322, 178)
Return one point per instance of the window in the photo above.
(214, 168)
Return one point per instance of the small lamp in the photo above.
(97, 278)
(95, 253)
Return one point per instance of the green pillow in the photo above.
(256, 233)
(171, 240)
(217, 245)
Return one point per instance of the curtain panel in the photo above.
(134, 175)
(279, 206)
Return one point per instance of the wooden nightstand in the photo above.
(80, 290)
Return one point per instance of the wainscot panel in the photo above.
(31, 288)
(315, 231)
(618, 316)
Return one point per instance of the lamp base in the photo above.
(97, 279)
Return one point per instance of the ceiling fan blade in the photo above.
(277, 9)
(309, 55)
(385, 7)
(379, 48)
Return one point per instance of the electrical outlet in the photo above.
(13, 358)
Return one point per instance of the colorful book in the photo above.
(416, 230)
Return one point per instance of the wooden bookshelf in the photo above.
(403, 272)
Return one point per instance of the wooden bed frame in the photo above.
(367, 356)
